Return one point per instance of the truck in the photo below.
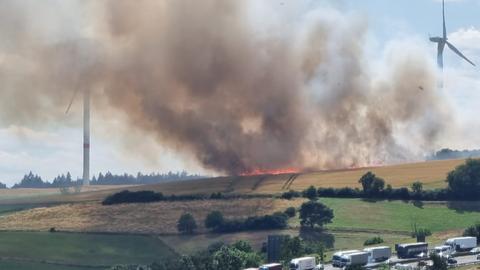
(304, 263)
(354, 259)
(462, 243)
(412, 250)
(271, 266)
(378, 254)
(443, 251)
(337, 257)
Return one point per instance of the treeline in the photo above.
(32, 180)
(153, 178)
(386, 193)
(463, 183)
(147, 196)
(447, 153)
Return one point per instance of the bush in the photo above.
(234, 225)
(216, 196)
(267, 222)
(373, 241)
(420, 233)
(230, 258)
(347, 192)
(417, 187)
(290, 195)
(214, 219)
(290, 211)
(310, 193)
(186, 224)
(133, 197)
(278, 220)
(243, 245)
(327, 192)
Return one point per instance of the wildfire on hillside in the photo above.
(260, 171)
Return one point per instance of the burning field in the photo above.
(207, 80)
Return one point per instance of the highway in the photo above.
(461, 260)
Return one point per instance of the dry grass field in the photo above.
(158, 218)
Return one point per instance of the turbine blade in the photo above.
(459, 53)
(71, 100)
(444, 27)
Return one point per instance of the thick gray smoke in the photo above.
(206, 79)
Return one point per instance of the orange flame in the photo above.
(270, 171)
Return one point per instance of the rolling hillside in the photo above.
(431, 173)
(25, 211)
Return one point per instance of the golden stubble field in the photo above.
(158, 218)
(431, 173)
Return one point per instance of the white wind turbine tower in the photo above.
(86, 133)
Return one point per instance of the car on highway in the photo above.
(475, 250)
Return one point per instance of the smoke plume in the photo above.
(205, 79)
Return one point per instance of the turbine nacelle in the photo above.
(437, 39)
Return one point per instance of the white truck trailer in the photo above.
(378, 254)
(337, 257)
(357, 258)
(462, 243)
(304, 263)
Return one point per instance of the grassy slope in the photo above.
(352, 214)
(356, 220)
(158, 217)
(83, 249)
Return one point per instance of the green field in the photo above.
(38, 266)
(398, 216)
(81, 249)
(357, 220)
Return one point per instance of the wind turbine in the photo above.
(86, 133)
(441, 41)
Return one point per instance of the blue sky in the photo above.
(46, 150)
(418, 16)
